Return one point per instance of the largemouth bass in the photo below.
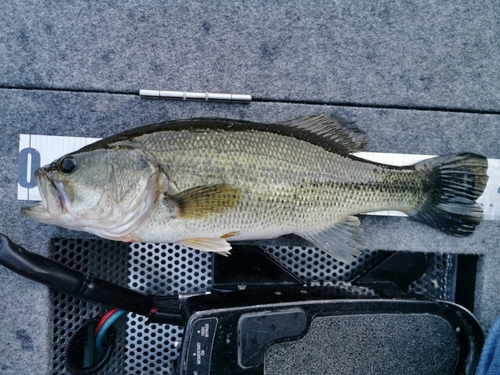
(204, 182)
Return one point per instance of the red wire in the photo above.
(103, 320)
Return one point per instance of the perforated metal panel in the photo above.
(104, 259)
(172, 269)
(439, 279)
(313, 266)
(316, 267)
(163, 270)
(153, 268)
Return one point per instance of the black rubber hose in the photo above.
(56, 276)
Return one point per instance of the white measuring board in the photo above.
(39, 150)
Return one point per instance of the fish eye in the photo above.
(67, 165)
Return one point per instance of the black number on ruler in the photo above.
(23, 167)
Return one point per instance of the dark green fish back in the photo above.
(329, 132)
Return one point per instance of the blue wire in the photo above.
(104, 328)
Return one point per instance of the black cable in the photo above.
(55, 275)
(75, 351)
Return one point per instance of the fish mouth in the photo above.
(54, 199)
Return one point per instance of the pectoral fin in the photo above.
(202, 200)
(342, 241)
(216, 245)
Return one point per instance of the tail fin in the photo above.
(454, 184)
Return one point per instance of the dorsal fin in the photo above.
(337, 130)
(329, 132)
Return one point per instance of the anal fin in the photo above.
(342, 241)
(215, 245)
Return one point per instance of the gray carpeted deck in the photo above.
(418, 78)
